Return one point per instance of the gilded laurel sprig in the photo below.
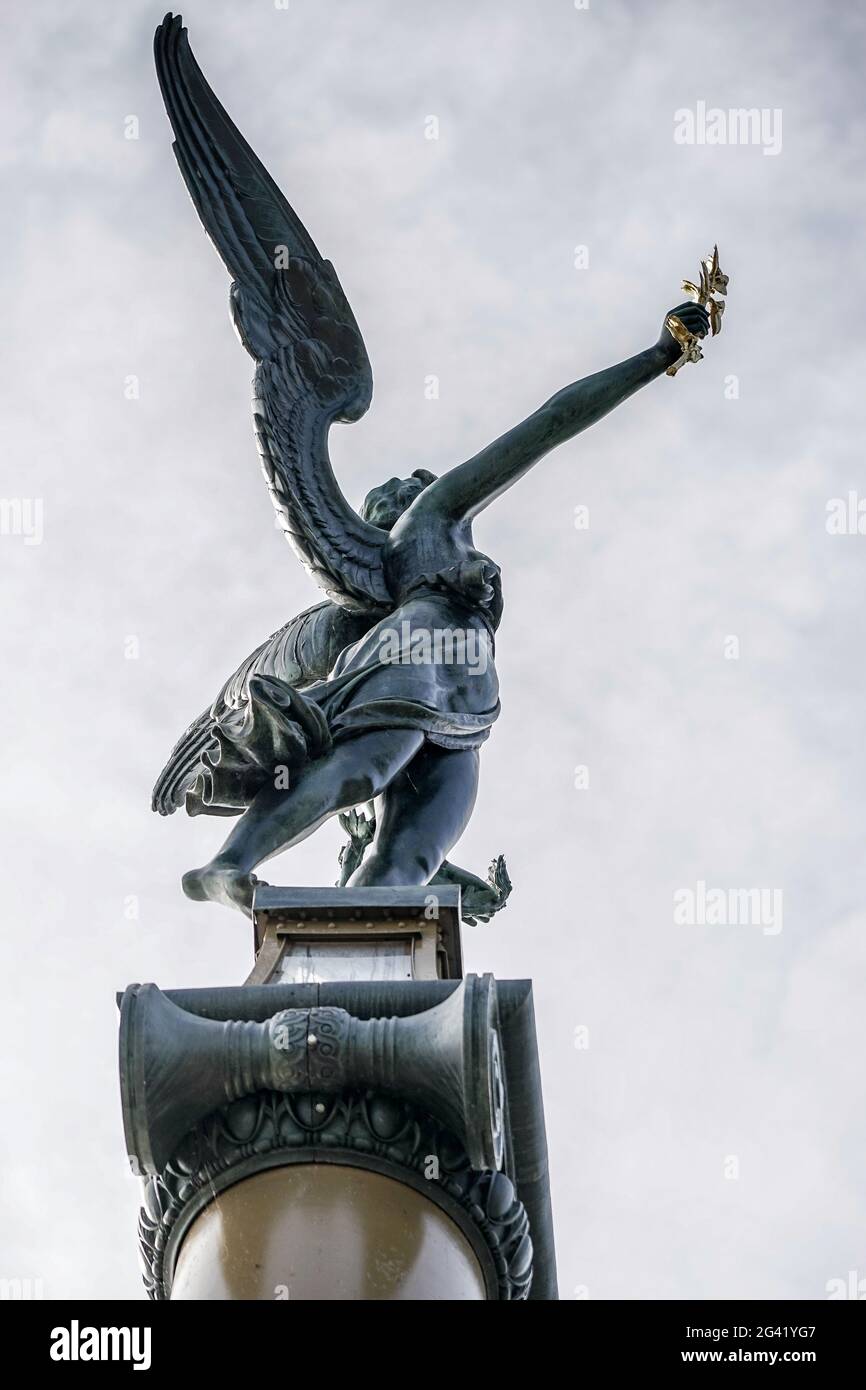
(712, 282)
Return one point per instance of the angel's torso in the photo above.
(427, 554)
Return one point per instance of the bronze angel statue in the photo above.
(385, 692)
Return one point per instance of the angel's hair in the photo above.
(423, 476)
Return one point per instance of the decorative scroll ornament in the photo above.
(177, 1067)
(712, 282)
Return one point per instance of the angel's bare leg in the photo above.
(421, 814)
(353, 772)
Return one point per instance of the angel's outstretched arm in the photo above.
(464, 491)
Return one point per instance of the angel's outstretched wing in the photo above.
(302, 651)
(293, 318)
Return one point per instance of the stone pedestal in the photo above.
(379, 1136)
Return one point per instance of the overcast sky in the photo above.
(709, 1139)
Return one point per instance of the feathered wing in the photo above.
(293, 318)
(302, 651)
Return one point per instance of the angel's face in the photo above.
(384, 505)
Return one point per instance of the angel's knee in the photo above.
(368, 765)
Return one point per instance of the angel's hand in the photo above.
(481, 900)
(694, 317)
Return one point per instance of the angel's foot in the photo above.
(221, 883)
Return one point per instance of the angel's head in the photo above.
(385, 504)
